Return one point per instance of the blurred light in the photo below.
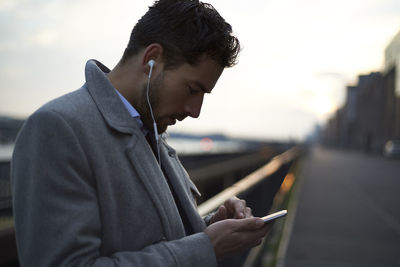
(206, 144)
(287, 182)
(323, 105)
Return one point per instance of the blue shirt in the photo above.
(133, 112)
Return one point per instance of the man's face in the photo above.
(178, 93)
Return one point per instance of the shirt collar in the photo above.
(132, 111)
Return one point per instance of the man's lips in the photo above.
(172, 121)
(181, 118)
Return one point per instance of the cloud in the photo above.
(12, 71)
(45, 37)
(7, 5)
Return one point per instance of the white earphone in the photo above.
(151, 64)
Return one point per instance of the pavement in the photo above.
(348, 211)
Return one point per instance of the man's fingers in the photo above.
(222, 213)
(249, 224)
(248, 213)
(239, 207)
(252, 231)
(234, 235)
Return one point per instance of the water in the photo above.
(181, 145)
(6, 152)
(204, 146)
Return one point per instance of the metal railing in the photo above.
(250, 181)
(260, 190)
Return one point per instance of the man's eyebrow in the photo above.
(202, 87)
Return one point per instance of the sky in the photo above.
(297, 57)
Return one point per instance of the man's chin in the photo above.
(162, 125)
(161, 128)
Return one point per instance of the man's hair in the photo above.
(187, 30)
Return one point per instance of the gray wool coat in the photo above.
(87, 190)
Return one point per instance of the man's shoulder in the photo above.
(72, 102)
(73, 107)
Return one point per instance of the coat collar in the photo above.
(106, 99)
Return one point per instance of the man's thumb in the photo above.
(250, 224)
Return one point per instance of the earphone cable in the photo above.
(152, 115)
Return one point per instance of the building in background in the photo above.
(392, 70)
(371, 114)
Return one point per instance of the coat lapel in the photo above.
(183, 186)
(146, 166)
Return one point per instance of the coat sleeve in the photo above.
(56, 213)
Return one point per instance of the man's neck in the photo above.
(127, 80)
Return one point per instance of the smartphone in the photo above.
(274, 216)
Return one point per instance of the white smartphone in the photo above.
(274, 216)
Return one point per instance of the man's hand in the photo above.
(233, 208)
(232, 236)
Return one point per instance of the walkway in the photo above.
(348, 211)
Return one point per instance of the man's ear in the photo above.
(152, 53)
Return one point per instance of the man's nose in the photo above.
(193, 107)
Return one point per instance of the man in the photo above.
(93, 185)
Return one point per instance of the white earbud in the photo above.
(151, 63)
